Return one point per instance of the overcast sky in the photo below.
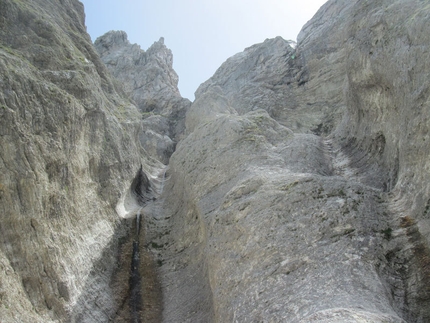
(202, 34)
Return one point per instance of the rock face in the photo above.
(297, 190)
(148, 77)
(299, 193)
(69, 150)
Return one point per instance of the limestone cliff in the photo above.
(69, 151)
(148, 77)
(297, 190)
(300, 192)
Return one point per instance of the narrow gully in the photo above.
(136, 304)
(144, 301)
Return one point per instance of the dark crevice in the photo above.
(417, 278)
(369, 158)
(141, 188)
(408, 273)
(144, 303)
(126, 273)
(136, 305)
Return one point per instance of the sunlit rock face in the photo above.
(69, 151)
(302, 182)
(144, 74)
(149, 79)
(296, 188)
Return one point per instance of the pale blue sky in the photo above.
(202, 34)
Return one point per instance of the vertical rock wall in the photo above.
(69, 149)
(300, 183)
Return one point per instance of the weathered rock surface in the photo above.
(300, 192)
(69, 150)
(148, 77)
(297, 190)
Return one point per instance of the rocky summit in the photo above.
(295, 188)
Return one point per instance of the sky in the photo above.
(202, 34)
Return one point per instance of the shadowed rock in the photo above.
(141, 188)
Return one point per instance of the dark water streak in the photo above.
(136, 304)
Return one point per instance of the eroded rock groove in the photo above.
(136, 304)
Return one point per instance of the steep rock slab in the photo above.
(388, 89)
(384, 131)
(68, 151)
(277, 230)
(294, 227)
